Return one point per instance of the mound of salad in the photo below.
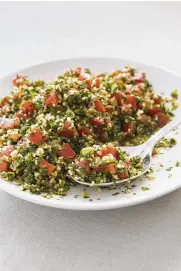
(73, 127)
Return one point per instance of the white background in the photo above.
(140, 238)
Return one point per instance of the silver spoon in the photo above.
(144, 151)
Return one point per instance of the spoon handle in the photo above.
(162, 132)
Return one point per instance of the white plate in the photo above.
(163, 82)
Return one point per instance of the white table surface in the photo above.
(140, 238)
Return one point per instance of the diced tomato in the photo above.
(6, 100)
(52, 99)
(6, 151)
(81, 78)
(3, 166)
(84, 163)
(153, 111)
(27, 107)
(84, 131)
(129, 127)
(158, 100)
(6, 123)
(88, 83)
(67, 131)
(67, 152)
(50, 168)
(130, 99)
(97, 82)
(119, 97)
(1, 105)
(106, 151)
(98, 105)
(37, 137)
(109, 108)
(113, 151)
(110, 168)
(18, 79)
(97, 122)
(162, 119)
(124, 174)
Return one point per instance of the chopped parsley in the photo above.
(174, 93)
(144, 188)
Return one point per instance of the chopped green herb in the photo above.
(115, 194)
(127, 190)
(169, 168)
(174, 93)
(85, 195)
(144, 188)
(178, 164)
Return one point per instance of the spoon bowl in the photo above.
(144, 151)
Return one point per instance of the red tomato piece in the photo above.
(84, 163)
(153, 111)
(88, 83)
(129, 127)
(119, 97)
(3, 166)
(52, 99)
(6, 123)
(113, 151)
(50, 168)
(158, 100)
(98, 105)
(97, 122)
(106, 151)
(37, 137)
(27, 107)
(124, 174)
(6, 100)
(97, 82)
(67, 152)
(84, 131)
(67, 131)
(108, 108)
(162, 119)
(130, 99)
(110, 168)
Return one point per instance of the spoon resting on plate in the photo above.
(144, 151)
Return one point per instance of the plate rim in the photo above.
(38, 199)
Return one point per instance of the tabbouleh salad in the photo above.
(48, 131)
